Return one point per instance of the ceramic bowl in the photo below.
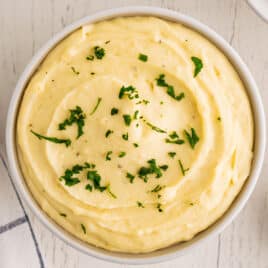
(180, 248)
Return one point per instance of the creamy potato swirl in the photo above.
(199, 183)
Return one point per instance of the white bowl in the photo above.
(180, 248)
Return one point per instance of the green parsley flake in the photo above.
(99, 52)
(143, 102)
(108, 189)
(183, 170)
(129, 91)
(157, 188)
(83, 228)
(122, 154)
(63, 215)
(136, 145)
(130, 177)
(157, 129)
(90, 57)
(96, 106)
(174, 138)
(114, 111)
(108, 132)
(76, 117)
(95, 178)
(108, 154)
(172, 154)
(76, 72)
(192, 138)
(68, 176)
(170, 89)
(152, 169)
(198, 65)
(127, 119)
(140, 205)
(88, 187)
(164, 167)
(219, 118)
(67, 142)
(135, 116)
(125, 136)
(143, 57)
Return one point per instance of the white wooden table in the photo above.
(24, 26)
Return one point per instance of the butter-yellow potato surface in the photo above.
(135, 133)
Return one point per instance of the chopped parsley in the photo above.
(143, 57)
(135, 116)
(92, 73)
(143, 102)
(130, 177)
(76, 117)
(99, 52)
(174, 138)
(125, 136)
(172, 154)
(63, 215)
(68, 176)
(198, 65)
(83, 228)
(122, 154)
(164, 167)
(108, 189)
(170, 89)
(192, 138)
(219, 118)
(90, 57)
(140, 205)
(157, 129)
(88, 187)
(67, 142)
(159, 207)
(170, 92)
(157, 188)
(96, 106)
(161, 81)
(107, 42)
(129, 91)
(108, 132)
(127, 119)
(183, 170)
(136, 145)
(73, 69)
(152, 169)
(114, 111)
(95, 178)
(108, 156)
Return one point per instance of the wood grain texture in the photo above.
(26, 25)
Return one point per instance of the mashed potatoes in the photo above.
(135, 134)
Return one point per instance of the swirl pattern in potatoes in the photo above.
(135, 134)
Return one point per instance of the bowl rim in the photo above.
(177, 249)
